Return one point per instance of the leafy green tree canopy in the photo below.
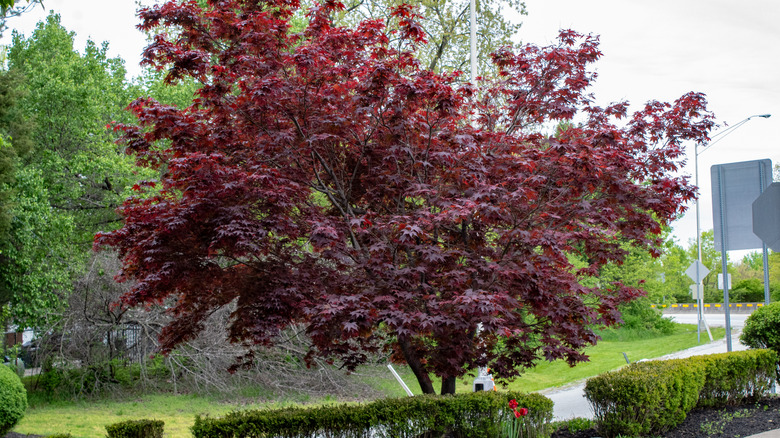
(13, 8)
(446, 27)
(67, 175)
(712, 260)
(74, 97)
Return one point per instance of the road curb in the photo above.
(708, 307)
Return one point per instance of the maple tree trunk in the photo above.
(414, 363)
(448, 385)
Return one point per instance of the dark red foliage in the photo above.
(325, 179)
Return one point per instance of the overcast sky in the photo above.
(665, 48)
(652, 50)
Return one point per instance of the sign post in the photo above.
(734, 188)
(766, 225)
(697, 271)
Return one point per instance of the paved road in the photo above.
(713, 319)
(570, 402)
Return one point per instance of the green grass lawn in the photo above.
(608, 355)
(87, 419)
(605, 356)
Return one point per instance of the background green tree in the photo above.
(74, 98)
(676, 284)
(748, 279)
(15, 142)
(13, 8)
(660, 277)
(663, 277)
(712, 260)
(72, 176)
(446, 25)
(152, 83)
(22, 200)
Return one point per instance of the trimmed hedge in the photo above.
(136, 429)
(655, 396)
(13, 399)
(736, 377)
(649, 396)
(470, 415)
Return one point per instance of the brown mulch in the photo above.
(729, 422)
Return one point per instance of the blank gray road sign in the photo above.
(734, 188)
(766, 216)
(691, 271)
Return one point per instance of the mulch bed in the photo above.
(729, 422)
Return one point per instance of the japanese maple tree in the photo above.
(325, 179)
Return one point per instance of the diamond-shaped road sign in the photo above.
(766, 216)
(702, 271)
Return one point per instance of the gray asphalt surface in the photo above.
(713, 319)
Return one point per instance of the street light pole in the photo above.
(699, 279)
(700, 287)
(484, 380)
(473, 42)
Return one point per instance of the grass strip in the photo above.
(607, 356)
(88, 419)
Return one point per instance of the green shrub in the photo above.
(15, 362)
(640, 321)
(49, 380)
(638, 315)
(736, 377)
(750, 290)
(652, 397)
(471, 415)
(63, 380)
(13, 399)
(645, 397)
(762, 328)
(136, 429)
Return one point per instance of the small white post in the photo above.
(400, 380)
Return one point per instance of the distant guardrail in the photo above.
(708, 307)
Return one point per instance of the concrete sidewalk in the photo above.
(768, 434)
